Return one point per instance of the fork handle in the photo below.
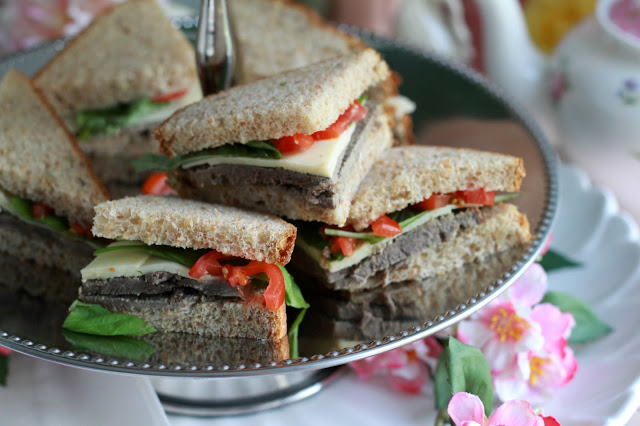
(215, 47)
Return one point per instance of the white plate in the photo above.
(589, 228)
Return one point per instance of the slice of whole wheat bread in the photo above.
(409, 174)
(194, 224)
(274, 36)
(304, 101)
(39, 159)
(130, 52)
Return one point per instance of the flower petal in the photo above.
(465, 407)
(513, 413)
(530, 287)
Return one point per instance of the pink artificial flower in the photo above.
(25, 23)
(5, 351)
(406, 366)
(466, 409)
(504, 328)
(547, 244)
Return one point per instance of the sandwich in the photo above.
(274, 36)
(295, 145)
(420, 211)
(115, 81)
(351, 317)
(191, 267)
(47, 186)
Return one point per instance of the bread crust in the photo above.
(409, 174)
(39, 159)
(193, 224)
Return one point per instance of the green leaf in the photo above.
(363, 98)
(553, 260)
(185, 257)
(469, 371)
(370, 237)
(118, 346)
(588, 326)
(292, 296)
(155, 162)
(24, 208)
(503, 198)
(292, 334)
(4, 369)
(55, 222)
(252, 149)
(94, 319)
(109, 120)
(441, 385)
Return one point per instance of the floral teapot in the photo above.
(589, 90)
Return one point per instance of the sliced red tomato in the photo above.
(355, 112)
(435, 201)
(344, 245)
(274, 294)
(41, 210)
(80, 229)
(156, 184)
(168, 97)
(384, 226)
(477, 196)
(208, 264)
(293, 144)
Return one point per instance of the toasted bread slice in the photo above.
(193, 224)
(130, 52)
(301, 101)
(274, 36)
(39, 159)
(407, 175)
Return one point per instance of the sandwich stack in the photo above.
(115, 81)
(47, 186)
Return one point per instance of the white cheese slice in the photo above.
(321, 159)
(366, 249)
(193, 95)
(129, 263)
(124, 263)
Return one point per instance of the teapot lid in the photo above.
(621, 18)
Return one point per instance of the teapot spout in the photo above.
(510, 57)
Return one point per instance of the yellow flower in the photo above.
(549, 20)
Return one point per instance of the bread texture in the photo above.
(304, 101)
(407, 175)
(291, 200)
(39, 159)
(274, 36)
(193, 224)
(201, 315)
(130, 52)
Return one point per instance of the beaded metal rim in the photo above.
(349, 354)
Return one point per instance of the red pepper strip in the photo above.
(292, 144)
(344, 245)
(472, 196)
(384, 226)
(208, 264)
(41, 210)
(300, 142)
(274, 295)
(355, 112)
(156, 184)
(80, 229)
(435, 201)
(168, 97)
(477, 196)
